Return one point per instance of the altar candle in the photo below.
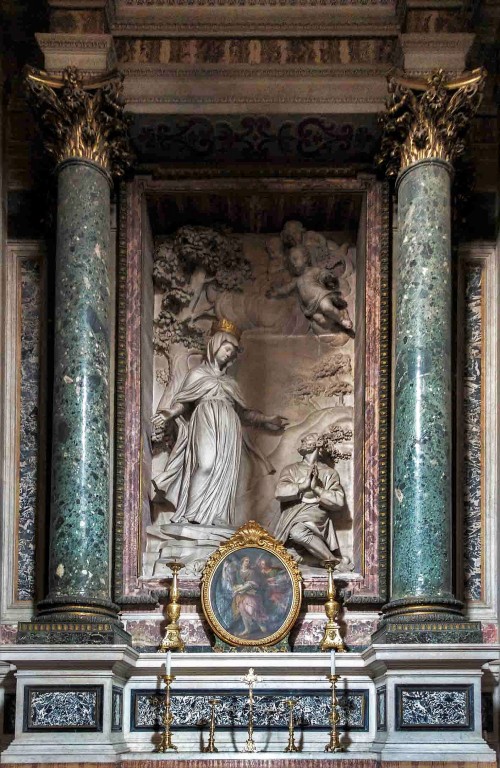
(169, 662)
(332, 661)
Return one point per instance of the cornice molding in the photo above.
(212, 90)
(245, 18)
(253, 72)
(227, 27)
(78, 5)
(89, 53)
(444, 50)
(331, 4)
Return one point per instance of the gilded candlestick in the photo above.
(166, 737)
(332, 638)
(172, 640)
(291, 746)
(334, 745)
(250, 679)
(211, 736)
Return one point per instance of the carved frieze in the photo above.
(256, 51)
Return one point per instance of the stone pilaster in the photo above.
(425, 130)
(86, 133)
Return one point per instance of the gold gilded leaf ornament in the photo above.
(81, 118)
(428, 119)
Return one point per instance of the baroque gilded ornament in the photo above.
(81, 119)
(251, 589)
(428, 119)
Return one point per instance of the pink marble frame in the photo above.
(370, 527)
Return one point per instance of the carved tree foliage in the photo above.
(217, 258)
(327, 379)
(328, 443)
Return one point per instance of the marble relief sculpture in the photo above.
(201, 476)
(309, 491)
(291, 295)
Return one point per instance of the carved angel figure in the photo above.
(317, 287)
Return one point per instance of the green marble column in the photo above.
(79, 566)
(424, 131)
(422, 471)
(86, 133)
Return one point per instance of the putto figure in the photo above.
(317, 287)
(201, 476)
(309, 491)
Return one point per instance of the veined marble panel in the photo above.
(270, 710)
(381, 709)
(23, 323)
(117, 709)
(69, 708)
(441, 707)
(29, 275)
(474, 275)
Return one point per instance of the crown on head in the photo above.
(225, 326)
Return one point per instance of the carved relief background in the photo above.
(295, 360)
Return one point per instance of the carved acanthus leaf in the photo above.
(82, 119)
(428, 119)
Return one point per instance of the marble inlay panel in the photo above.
(381, 709)
(441, 707)
(50, 708)
(30, 273)
(270, 710)
(117, 709)
(473, 427)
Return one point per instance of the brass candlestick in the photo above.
(211, 736)
(332, 638)
(250, 679)
(291, 746)
(172, 640)
(166, 737)
(334, 745)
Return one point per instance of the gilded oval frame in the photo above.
(251, 536)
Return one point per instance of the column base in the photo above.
(418, 629)
(68, 620)
(72, 633)
(426, 620)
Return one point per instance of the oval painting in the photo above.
(253, 598)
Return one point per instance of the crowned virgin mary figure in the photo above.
(201, 475)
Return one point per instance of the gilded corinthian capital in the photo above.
(428, 119)
(81, 119)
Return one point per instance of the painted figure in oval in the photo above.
(201, 476)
